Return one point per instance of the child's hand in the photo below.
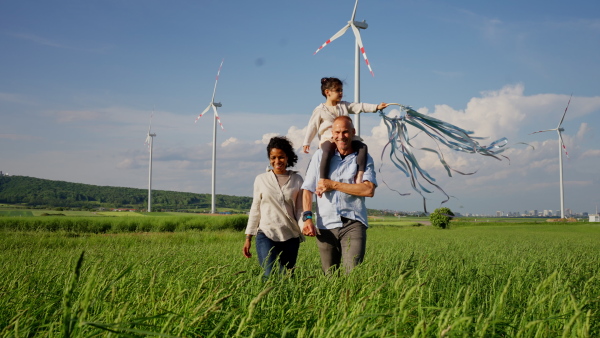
(382, 106)
(305, 149)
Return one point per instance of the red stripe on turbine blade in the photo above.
(362, 50)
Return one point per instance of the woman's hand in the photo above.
(305, 149)
(247, 246)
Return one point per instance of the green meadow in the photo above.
(474, 280)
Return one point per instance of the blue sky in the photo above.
(79, 80)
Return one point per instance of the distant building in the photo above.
(595, 218)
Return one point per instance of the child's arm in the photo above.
(355, 108)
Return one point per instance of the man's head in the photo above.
(343, 132)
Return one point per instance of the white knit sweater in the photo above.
(321, 119)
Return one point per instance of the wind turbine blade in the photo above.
(216, 81)
(150, 125)
(565, 113)
(205, 110)
(218, 118)
(362, 48)
(354, 11)
(562, 144)
(335, 36)
(542, 131)
(149, 128)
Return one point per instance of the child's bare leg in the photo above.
(361, 160)
(359, 177)
(328, 149)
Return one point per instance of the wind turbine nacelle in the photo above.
(561, 129)
(360, 24)
(217, 104)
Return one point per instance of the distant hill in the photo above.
(37, 192)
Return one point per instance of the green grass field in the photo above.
(481, 280)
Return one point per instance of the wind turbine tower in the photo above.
(149, 142)
(561, 146)
(360, 49)
(214, 106)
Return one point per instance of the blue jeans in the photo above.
(269, 251)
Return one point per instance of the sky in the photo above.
(79, 81)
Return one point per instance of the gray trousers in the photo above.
(345, 245)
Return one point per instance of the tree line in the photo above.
(37, 192)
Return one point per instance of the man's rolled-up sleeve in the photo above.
(312, 173)
(370, 171)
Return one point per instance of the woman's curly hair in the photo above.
(281, 142)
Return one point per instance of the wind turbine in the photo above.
(214, 106)
(360, 49)
(561, 146)
(149, 142)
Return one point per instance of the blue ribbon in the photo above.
(458, 139)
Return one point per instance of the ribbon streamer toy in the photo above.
(458, 139)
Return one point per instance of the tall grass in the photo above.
(98, 224)
(515, 280)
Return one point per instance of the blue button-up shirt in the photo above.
(335, 204)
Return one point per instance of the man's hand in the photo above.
(364, 189)
(309, 228)
(323, 186)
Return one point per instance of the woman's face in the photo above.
(278, 160)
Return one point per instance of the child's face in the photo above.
(335, 93)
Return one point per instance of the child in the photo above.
(322, 119)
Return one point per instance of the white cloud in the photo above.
(13, 98)
(73, 116)
(38, 39)
(19, 137)
(591, 153)
(584, 129)
(231, 140)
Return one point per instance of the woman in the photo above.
(276, 212)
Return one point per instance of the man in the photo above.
(342, 214)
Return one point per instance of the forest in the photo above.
(42, 193)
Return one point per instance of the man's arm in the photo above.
(364, 189)
(309, 227)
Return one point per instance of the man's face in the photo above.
(343, 132)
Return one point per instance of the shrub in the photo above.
(441, 217)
